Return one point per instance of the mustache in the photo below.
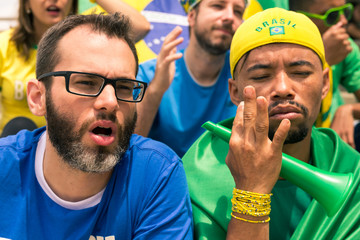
(104, 116)
(304, 110)
(227, 27)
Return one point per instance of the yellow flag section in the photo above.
(255, 6)
(163, 16)
(252, 8)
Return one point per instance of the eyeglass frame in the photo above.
(67, 74)
(326, 14)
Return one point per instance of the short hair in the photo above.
(113, 25)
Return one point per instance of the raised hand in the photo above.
(336, 43)
(253, 159)
(165, 66)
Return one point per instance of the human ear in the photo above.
(327, 82)
(234, 91)
(36, 97)
(191, 18)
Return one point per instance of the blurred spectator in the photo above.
(354, 23)
(190, 87)
(342, 54)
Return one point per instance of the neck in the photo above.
(204, 66)
(300, 150)
(68, 183)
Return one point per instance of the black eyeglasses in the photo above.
(91, 85)
(332, 15)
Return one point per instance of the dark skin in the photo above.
(271, 73)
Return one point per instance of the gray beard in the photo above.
(68, 145)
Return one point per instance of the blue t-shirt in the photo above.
(146, 197)
(186, 105)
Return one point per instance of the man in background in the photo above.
(189, 87)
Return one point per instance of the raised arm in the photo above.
(254, 162)
(140, 25)
(164, 75)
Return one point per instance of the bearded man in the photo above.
(189, 87)
(86, 176)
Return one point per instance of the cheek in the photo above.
(126, 110)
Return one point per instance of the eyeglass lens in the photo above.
(90, 85)
(333, 17)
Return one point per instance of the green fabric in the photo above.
(289, 204)
(85, 5)
(274, 3)
(347, 74)
(210, 184)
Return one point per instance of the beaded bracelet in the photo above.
(249, 203)
(250, 221)
(92, 1)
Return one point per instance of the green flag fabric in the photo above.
(295, 215)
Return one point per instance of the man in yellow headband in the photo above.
(188, 87)
(280, 77)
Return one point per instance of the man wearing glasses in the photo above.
(331, 17)
(85, 176)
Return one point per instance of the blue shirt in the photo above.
(146, 197)
(187, 105)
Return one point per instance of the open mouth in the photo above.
(102, 131)
(53, 9)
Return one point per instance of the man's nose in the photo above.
(107, 99)
(228, 14)
(282, 87)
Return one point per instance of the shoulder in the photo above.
(5, 39)
(151, 150)
(325, 136)
(19, 143)
(354, 55)
(148, 65)
(16, 153)
(331, 150)
(6, 35)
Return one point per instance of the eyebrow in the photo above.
(268, 66)
(301, 63)
(258, 66)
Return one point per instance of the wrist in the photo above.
(251, 207)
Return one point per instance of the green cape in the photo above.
(210, 185)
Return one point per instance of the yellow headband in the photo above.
(275, 25)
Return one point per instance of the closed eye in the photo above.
(260, 77)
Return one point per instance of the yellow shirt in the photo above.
(15, 72)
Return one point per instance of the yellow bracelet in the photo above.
(92, 1)
(250, 221)
(250, 203)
